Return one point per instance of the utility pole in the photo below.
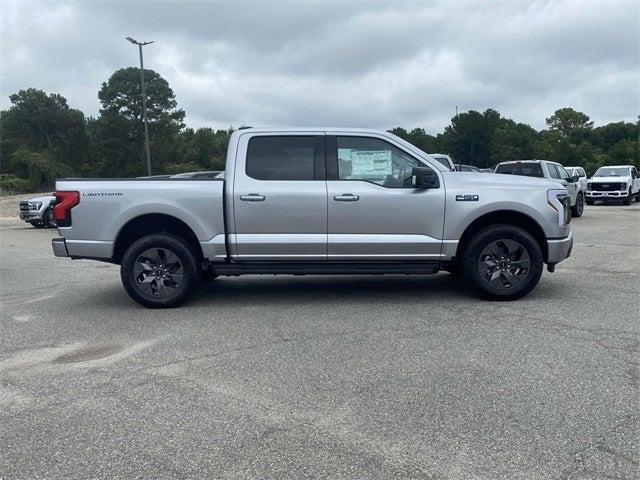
(144, 103)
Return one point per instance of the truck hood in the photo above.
(626, 179)
(46, 199)
(488, 180)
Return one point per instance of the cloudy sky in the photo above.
(346, 63)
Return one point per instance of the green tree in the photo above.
(568, 122)
(40, 169)
(206, 147)
(44, 122)
(119, 132)
(512, 141)
(468, 138)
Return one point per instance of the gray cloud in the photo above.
(374, 64)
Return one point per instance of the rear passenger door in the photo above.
(280, 198)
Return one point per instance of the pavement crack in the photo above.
(580, 456)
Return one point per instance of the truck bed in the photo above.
(108, 205)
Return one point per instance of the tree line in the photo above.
(42, 138)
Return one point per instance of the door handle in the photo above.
(252, 197)
(346, 197)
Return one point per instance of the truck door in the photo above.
(279, 198)
(373, 214)
(563, 175)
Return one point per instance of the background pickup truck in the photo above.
(616, 182)
(317, 201)
(552, 171)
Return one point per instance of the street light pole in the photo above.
(144, 103)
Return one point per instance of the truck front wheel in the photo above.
(503, 262)
(627, 200)
(578, 208)
(159, 271)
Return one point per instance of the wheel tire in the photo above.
(160, 292)
(578, 208)
(627, 200)
(589, 202)
(638, 197)
(500, 236)
(47, 219)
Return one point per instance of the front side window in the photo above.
(553, 171)
(281, 158)
(562, 172)
(374, 160)
(581, 172)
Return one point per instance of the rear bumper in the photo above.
(559, 249)
(59, 247)
(93, 249)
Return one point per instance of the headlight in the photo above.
(559, 201)
(35, 205)
(623, 186)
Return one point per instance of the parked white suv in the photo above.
(615, 182)
(550, 170)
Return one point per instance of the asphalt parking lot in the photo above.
(323, 377)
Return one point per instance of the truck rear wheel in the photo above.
(159, 271)
(503, 262)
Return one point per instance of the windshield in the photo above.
(612, 172)
(525, 169)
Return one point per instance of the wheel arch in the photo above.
(505, 217)
(148, 224)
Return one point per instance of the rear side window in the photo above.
(281, 158)
(524, 169)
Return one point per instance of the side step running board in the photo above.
(324, 268)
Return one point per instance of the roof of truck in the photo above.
(313, 129)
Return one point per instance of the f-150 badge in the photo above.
(467, 198)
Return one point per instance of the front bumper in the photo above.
(559, 249)
(30, 216)
(59, 247)
(594, 194)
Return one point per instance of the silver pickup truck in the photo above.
(317, 201)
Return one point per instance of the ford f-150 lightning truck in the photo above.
(316, 201)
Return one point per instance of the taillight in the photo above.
(65, 201)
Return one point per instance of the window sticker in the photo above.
(365, 164)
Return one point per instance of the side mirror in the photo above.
(424, 177)
(575, 178)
